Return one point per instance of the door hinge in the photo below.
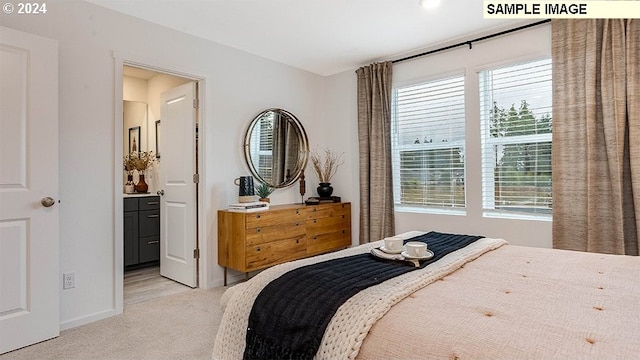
(196, 103)
(196, 178)
(196, 253)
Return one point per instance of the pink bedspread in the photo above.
(519, 303)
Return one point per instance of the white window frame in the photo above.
(487, 144)
(474, 172)
(397, 149)
(488, 179)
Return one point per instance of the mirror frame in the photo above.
(304, 147)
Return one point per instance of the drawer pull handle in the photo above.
(152, 242)
(343, 231)
(257, 230)
(257, 216)
(153, 216)
(153, 203)
(297, 224)
(343, 216)
(257, 249)
(315, 238)
(297, 212)
(297, 241)
(315, 221)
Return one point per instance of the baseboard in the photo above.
(69, 324)
(231, 279)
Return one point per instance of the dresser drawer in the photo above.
(321, 243)
(149, 203)
(149, 249)
(328, 211)
(261, 235)
(149, 223)
(327, 225)
(261, 256)
(269, 218)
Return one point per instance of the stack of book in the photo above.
(250, 206)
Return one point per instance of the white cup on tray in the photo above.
(393, 243)
(416, 249)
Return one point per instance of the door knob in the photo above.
(47, 201)
(160, 192)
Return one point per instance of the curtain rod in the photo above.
(470, 42)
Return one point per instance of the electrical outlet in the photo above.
(68, 280)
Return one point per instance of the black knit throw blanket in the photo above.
(290, 315)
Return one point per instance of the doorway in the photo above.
(163, 254)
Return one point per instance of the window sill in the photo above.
(514, 216)
(434, 211)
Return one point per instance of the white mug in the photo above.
(393, 243)
(416, 248)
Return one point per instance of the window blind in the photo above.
(428, 139)
(516, 123)
(262, 148)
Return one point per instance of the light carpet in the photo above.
(180, 326)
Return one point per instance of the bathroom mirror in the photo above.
(276, 148)
(134, 126)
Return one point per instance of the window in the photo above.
(515, 111)
(262, 148)
(428, 141)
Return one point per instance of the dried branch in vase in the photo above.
(325, 164)
(140, 161)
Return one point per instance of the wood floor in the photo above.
(147, 283)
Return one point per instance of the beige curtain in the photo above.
(285, 149)
(374, 133)
(279, 148)
(596, 135)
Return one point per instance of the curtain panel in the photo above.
(596, 132)
(374, 134)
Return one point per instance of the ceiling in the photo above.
(321, 36)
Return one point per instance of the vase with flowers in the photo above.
(142, 161)
(128, 167)
(325, 164)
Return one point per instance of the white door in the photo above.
(177, 168)
(29, 278)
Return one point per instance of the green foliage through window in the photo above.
(517, 142)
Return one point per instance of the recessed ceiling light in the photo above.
(429, 4)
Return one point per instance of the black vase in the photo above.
(325, 190)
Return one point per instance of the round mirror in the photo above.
(276, 147)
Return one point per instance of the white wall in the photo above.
(341, 135)
(342, 105)
(134, 89)
(238, 86)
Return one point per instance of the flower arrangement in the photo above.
(325, 163)
(139, 161)
(263, 190)
(127, 164)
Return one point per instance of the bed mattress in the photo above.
(494, 302)
(518, 303)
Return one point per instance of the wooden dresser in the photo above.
(249, 241)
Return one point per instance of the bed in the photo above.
(488, 300)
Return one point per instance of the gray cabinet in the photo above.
(141, 230)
